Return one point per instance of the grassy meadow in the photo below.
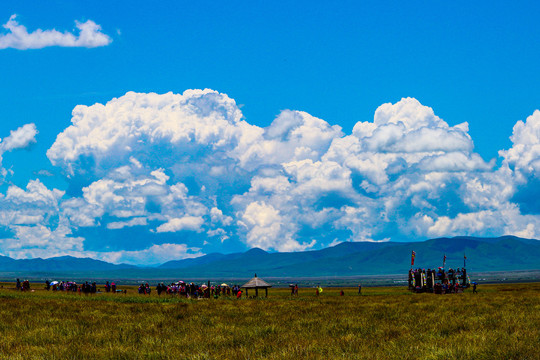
(500, 322)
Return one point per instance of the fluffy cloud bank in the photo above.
(161, 176)
(18, 37)
(522, 161)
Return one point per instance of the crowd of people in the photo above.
(180, 288)
(82, 288)
(192, 290)
(438, 281)
(73, 287)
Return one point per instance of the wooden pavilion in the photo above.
(256, 283)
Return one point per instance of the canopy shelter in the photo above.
(256, 284)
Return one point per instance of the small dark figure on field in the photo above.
(86, 288)
(474, 289)
(341, 293)
(18, 284)
(359, 289)
(161, 288)
(25, 285)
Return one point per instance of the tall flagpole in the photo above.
(444, 262)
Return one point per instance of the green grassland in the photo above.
(500, 322)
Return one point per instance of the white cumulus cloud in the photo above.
(154, 254)
(147, 166)
(18, 37)
(191, 223)
(524, 155)
(20, 138)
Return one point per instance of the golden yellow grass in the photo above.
(501, 322)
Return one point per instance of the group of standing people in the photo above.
(294, 289)
(193, 290)
(110, 287)
(144, 289)
(83, 288)
(438, 281)
(23, 286)
(71, 286)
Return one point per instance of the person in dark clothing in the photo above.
(474, 289)
(160, 288)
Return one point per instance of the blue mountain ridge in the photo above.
(345, 259)
(58, 264)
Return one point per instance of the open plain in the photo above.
(500, 322)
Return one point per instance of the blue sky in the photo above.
(313, 71)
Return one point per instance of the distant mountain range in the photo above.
(58, 264)
(346, 259)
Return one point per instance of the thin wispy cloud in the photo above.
(18, 37)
